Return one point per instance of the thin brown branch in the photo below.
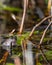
(27, 3)
(38, 25)
(24, 13)
(11, 33)
(45, 32)
(37, 55)
(23, 49)
(49, 5)
(4, 58)
(44, 57)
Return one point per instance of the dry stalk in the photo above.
(45, 33)
(38, 25)
(49, 5)
(41, 51)
(24, 13)
(37, 55)
(11, 33)
(44, 57)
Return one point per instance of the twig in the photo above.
(44, 57)
(27, 3)
(13, 16)
(49, 5)
(15, 19)
(23, 18)
(45, 33)
(11, 32)
(38, 25)
(37, 55)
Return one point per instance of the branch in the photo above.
(44, 33)
(44, 57)
(12, 32)
(49, 5)
(37, 55)
(38, 25)
(23, 18)
(23, 45)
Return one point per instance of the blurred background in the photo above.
(11, 12)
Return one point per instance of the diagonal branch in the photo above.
(44, 57)
(38, 25)
(45, 33)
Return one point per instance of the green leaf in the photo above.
(8, 8)
(9, 64)
(39, 63)
(20, 38)
(48, 55)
